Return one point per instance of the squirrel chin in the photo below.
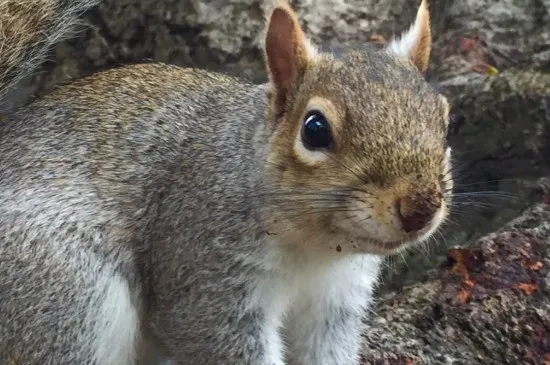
(341, 242)
(389, 248)
(369, 246)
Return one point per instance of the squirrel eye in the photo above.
(316, 133)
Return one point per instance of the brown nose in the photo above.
(416, 211)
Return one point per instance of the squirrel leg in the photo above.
(63, 308)
(219, 320)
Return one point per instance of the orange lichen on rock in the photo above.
(464, 296)
(527, 288)
(459, 267)
(459, 256)
(536, 266)
(475, 50)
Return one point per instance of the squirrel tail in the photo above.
(28, 28)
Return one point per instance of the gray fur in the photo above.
(51, 204)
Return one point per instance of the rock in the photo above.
(214, 34)
(503, 125)
(501, 33)
(487, 305)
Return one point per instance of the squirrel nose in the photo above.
(416, 211)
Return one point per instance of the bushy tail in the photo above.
(28, 28)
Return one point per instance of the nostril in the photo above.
(413, 216)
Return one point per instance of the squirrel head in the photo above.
(358, 146)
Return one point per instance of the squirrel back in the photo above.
(28, 29)
(229, 223)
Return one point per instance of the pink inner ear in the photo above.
(281, 48)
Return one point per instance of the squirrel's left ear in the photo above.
(287, 52)
(415, 44)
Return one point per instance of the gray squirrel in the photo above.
(154, 212)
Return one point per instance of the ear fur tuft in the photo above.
(415, 44)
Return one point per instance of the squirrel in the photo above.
(151, 208)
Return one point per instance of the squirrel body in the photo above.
(222, 222)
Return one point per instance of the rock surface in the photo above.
(487, 305)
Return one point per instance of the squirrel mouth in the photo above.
(396, 245)
(387, 247)
(410, 239)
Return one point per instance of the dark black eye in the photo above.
(316, 132)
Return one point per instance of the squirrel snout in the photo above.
(416, 211)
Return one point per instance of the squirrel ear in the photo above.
(415, 44)
(287, 53)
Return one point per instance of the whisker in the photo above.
(474, 204)
(297, 213)
(485, 182)
(361, 220)
(346, 167)
(486, 193)
(403, 258)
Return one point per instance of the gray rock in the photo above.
(214, 34)
(502, 33)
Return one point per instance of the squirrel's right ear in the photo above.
(287, 53)
(415, 44)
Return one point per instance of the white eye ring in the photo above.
(310, 157)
